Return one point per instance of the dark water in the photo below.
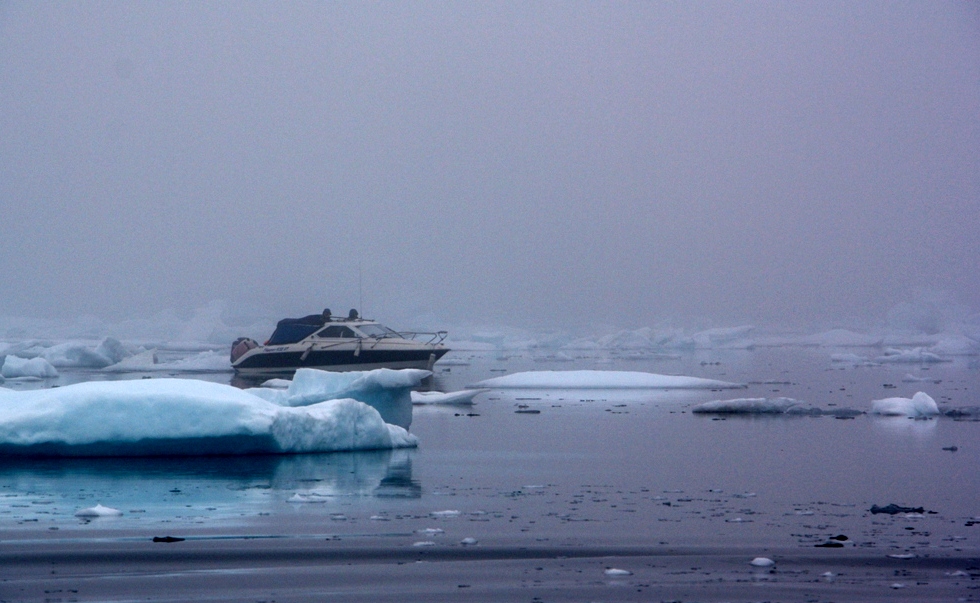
(590, 468)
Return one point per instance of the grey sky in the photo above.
(783, 163)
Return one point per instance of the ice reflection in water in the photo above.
(39, 492)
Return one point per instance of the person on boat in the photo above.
(312, 319)
(352, 315)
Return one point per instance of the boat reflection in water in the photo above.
(48, 492)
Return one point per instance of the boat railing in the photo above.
(434, 338)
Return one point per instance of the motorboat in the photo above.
(326, 342)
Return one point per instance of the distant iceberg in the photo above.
(915, 355)
(841, 338)
(590, 379)
(207, 361)
(81, 355)
(919, 405)
(14, 367)
(182, 417)
(725, 338)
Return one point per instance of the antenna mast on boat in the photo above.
(360, 293)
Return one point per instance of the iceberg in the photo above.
(591, 379)
(182, 417)
(746, 406)
(919, 405)
(15, 367)
(725, 338)
(386, 390)
(849, 359)
(956, 345)
(80, 355)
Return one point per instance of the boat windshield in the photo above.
(378, 331)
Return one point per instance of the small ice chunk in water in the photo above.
(431, 531)
(612, 571)
(468, 541)
(460, 398)
(762, 562)
(99, 511)
(424, 543)
(446, 513)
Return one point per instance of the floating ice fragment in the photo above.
(446, 513)
(99, 511)
(459, 398)
(612, 571)
(919, 405)
(277, 383)
(306, 498)
(746, 406)
(424, 543)
(903, 556)
(468, 541)
(848, 359)
(762, 562)
(897, 585)
(430, 531)
(910, 378)
(915, 355)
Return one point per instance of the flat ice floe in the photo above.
(747, 406)
(915, 355)
(919, 405)
(590, 379)
(462, 397)
(182, 417)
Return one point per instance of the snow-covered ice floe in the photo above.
(589, 379)
(184, 417)
(919, 405)
(747, 406)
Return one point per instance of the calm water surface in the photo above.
(591, 466)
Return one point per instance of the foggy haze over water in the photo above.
(540, 163)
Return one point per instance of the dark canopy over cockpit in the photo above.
(292, 330)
